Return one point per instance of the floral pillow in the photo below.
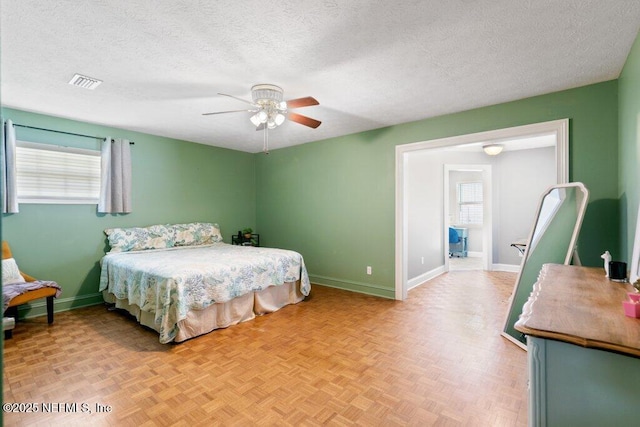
(140, 238)
(196, 233)
(10, 272)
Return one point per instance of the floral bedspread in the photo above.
(171, 282)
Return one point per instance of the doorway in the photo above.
(559, 129)
(468, 210)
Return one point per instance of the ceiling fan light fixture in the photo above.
(266, 92)
(262, 116)
(269, 110)
(493, 149)
(255, 120)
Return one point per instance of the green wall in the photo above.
(629, 113)
(173, 182)
(334, 200)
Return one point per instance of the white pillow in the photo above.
(10, 272)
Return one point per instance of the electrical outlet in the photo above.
(369, 270)
(422, 260)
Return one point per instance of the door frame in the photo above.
(487, 211)
(558, 127)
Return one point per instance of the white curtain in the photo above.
(8, 166)
(115, 180)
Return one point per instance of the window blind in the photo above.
(470, 203)
(55, 174)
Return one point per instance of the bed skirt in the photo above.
(221, 315)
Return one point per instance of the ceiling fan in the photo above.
(270, 110)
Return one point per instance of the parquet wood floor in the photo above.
(339, 359)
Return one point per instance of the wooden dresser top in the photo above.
(579, 305)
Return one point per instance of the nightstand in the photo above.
(243, 241)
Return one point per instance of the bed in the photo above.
(183, 281)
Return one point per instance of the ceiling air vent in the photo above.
(84, 81)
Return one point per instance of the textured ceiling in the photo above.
(369, 63)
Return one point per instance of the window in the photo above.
(470, 204)
(56, 174)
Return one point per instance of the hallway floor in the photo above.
(467, 263)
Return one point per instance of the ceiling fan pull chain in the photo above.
(265, 146)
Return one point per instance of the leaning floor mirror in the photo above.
(552, 240)
(634, 273)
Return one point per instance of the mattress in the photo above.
(182, 292)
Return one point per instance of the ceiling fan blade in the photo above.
(261, 126)
(239, 99)
(231, 111)
(304, 120)
(302, 102)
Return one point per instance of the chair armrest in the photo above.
(28, 278)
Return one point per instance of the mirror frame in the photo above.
(635, 257)
(571, 252)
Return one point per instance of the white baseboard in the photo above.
(416, 281)
(511, 268)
